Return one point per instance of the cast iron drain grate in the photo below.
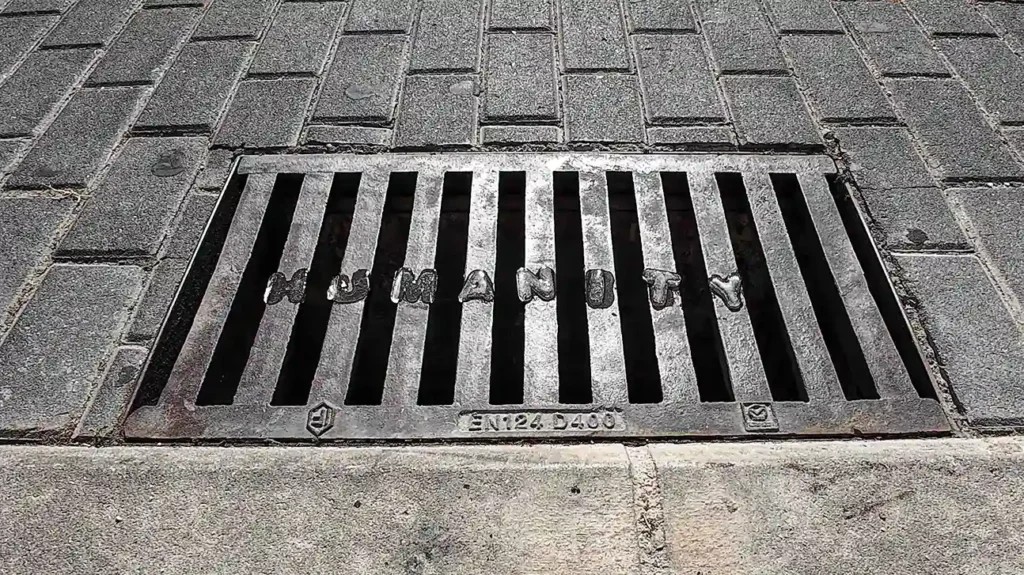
(534, 295)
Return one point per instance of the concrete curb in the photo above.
(911, 506)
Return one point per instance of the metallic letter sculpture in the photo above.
(407, 288)
(541, 284)
(478, 286)
(661, 285)
(342, 290)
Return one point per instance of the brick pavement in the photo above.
(119, 120)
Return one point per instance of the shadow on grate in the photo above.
(544, 295)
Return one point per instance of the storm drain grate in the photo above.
(534, 295)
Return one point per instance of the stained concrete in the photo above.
(814, 508)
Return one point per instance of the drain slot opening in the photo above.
(378, 322)
(247, 308)
(643, 377)
(834, 321)
(444, 322)
(183, 312)
(312, 319)
(507, 334)
(770, 332)
(702, 331)
(881, 291)
(573, 334)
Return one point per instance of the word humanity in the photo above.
(599, 287)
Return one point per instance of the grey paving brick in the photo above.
(91, 22)
(379, 16)
(115, 390)
(998, 216)
(144, 47)
(883, 158)
(913, 218)
(741, 38)
(661, 16)
(993, 72)
(363, 80)
(8, 150)
(36, 6)
(185, 238)
(952, 129)
(195, 89)
(80, 140)
(950, 17)
(27, 227)
(520, 134)
(43, 80)
(267, 113)
(521, 77)
(979, 345)
(1008, 19)
(134, 204)
(593, 36)
(698, 136)
(152, 3)
(216, 171)
(803, 16)
(50, 360)
(234, 19)
(895, 44)
(603, 108)
(18, 36)
(769, 111)
(437, 110)
(837, 82)
(299, 39)
(348, 135)
(676, 80)
(1016, 138)
(448, 36)
(152, 309)
(520, 15)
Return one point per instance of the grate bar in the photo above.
(474, 367)
(401, 383)
(820, 379)
(746, 372)
(607, 364)
(268, 351)
(339, 349)
(678, 378)
(887, 369)
(190, 368)
(540, 319)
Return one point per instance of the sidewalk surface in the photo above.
(119, 121)
(894, 507)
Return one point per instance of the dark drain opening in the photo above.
(702, 331)
(571, 310)
(183, 312)
(507, 334)
(836, 329)
(770, 332)
(247, 308)
(444, 322)
(643, 378)
(312, 319)
(378, 322)
(881, 291)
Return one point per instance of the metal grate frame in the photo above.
(899, 409)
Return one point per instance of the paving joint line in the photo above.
(648, 512)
